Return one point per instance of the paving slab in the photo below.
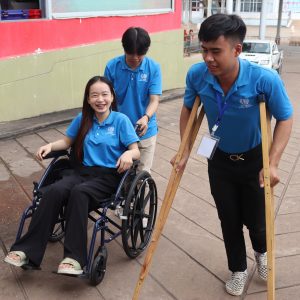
(287, 274)
(162, 166)
(44, 284)
(293, 190)
(289, 293)
(183, 277)
(198, 168)
(287, 244)
(295, 178)
(165, 132)
(198, 211)
(197, 187)
(22, 166)
(283, 175)
(290, 205)
(17, 159)
(10, 287)
(197, 243)
(121, 276)
(166, 141)
(162, 151)
(11, 209)
(287, 223)
(31, 143)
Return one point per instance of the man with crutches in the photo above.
(229, 89)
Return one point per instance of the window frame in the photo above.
(52, 15)
(251, 5)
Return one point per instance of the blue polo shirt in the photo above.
(239, 129)
(134, 87)
(106, 141)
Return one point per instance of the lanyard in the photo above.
(222, 106)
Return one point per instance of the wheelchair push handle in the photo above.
(135, 163)
(137, 128)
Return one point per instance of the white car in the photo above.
(264, 53)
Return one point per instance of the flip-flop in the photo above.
(17, 263)
(74, 270)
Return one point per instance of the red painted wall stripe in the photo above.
(25, 37)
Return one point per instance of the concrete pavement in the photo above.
(190, 261)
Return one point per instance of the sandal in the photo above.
(23, 260)
(75, 268)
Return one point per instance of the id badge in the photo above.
(208, 146)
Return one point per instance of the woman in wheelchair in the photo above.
(105, 144)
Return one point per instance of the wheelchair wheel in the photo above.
(98, 267)
(140, 209)
(58, 232)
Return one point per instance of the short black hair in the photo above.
(136, 40)
(230, 26)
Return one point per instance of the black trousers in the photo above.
(80, 191)
(240, 201)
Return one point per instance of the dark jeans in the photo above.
(239, 201)
(80, 191)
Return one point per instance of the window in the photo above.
(252, 47)
(60, 9)
(90, 8)
(251, 5)
(21, 9)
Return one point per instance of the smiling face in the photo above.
(100, 99)
(221, 56)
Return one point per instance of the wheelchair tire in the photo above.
(140, 209)
(58, 233)
(98, 267)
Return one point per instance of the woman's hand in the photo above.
(125, 161)
(62, 144)
(43, 151)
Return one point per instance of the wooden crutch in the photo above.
(188, 140)
(265, 124)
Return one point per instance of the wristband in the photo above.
(147, 117)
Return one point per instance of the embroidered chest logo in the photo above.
(111, 130)
(245, 103)
(143, 77)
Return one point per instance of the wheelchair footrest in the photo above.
(119, 213)
(30, 267)
(83, 275)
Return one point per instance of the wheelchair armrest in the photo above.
(55, 154)
(125, 175)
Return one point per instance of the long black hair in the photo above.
(88, 115)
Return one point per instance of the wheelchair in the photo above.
(134, 204)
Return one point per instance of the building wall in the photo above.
(45, 64)
(35, 84)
